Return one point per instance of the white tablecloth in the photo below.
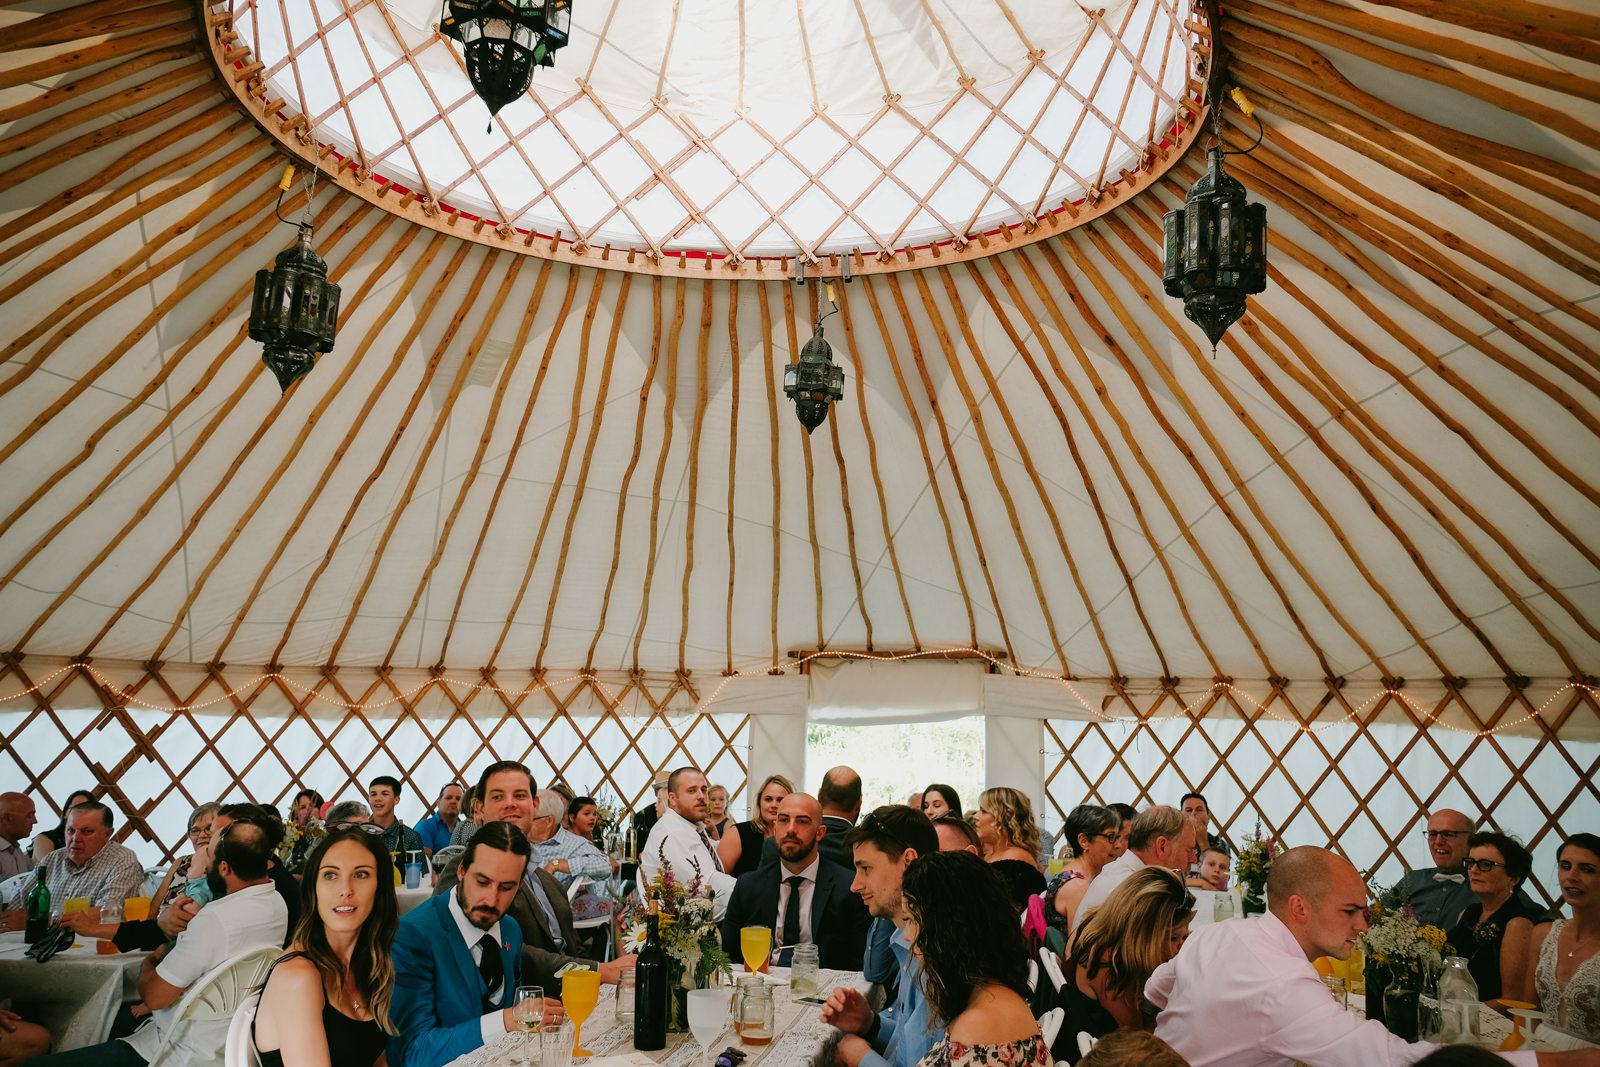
(1494, 1028)
(76, 994)
(799, 1032)
(406, 899)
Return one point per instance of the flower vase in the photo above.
(1400, 1010)
(1377, 984)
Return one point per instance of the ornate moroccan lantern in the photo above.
(815, 381)
(295, 309)
(1216, 247)
(504, 40)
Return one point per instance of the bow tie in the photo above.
(1440, 876)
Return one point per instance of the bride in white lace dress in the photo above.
(1567, 976)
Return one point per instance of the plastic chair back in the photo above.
(240, 1050)
(214, 997)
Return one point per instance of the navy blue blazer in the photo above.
(438, 993)
(838, 918)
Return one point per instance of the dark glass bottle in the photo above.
(38, 909)
(650, 992)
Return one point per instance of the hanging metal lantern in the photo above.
(816, 381)
(1216, 250)
(503, 40)
(295, 311)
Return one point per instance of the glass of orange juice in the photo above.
(756, 944)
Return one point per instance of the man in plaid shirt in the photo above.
(92, 865)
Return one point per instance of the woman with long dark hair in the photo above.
(940, 799)
(326, 1001)
(1566, 972)
(963, 929)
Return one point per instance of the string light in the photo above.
(614, 702)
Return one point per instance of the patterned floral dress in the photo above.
(1029, 1052)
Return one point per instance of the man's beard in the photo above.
(799, 850)
(461, 902)
(219, 888)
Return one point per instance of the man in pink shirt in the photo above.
(1243, 993)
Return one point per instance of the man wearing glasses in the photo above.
(1438, 893)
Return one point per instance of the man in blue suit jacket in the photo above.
(825, 912)
(449, 1000)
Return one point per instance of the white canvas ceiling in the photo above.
(1388, 469)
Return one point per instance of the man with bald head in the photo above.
(16, 823)
(1243, 993)
(804, 899)
(839, 796)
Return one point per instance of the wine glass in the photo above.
(527, 1011)
(708, 1016)
(579, 991)
(756, 944)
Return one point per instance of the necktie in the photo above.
(716, 861)
(536, 887)
(1440, 876)
(791, 919)
(491, 969)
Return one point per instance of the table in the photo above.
(800, 1032)
(1494, 1028)
(76, 994)
(406, 899)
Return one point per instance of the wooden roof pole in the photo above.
(1036, 331)
(927, 456)
(602, 390)
(469, 360)
(1052, 257)
(860, 382)
(645, 390)
(667, 422)
(559, 476)
(734, 361)
(915, 348)
(518, 346)
(702, 400)
(1051, 303)
(954, 359)
(769, 366)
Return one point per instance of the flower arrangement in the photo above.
(298, 841)
(685, 925)
(1252, 865)
(1397, 942)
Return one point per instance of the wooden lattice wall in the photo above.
(1359, 778)
(160, 739)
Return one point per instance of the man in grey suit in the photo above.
(540, 906)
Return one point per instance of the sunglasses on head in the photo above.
(364, 827)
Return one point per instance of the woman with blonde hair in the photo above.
(1010, 839)
(326, 1001)
(740, 851)
(1116, 949)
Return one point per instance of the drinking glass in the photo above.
(708, 1016)
(1335, 986)
(527, 1011)
(555, 1045)
(579, 991)
(625, 993)
(756, 944)
(413, 868)
(803, 971)
(110, 915)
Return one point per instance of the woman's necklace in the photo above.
(1578, 942)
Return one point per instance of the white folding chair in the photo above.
(1052, 968)
(575, 890)
(1033, 976)
(213, 998)
(15, 886)
(1085, 1042)
(152, 880)
(240, 1050)
(1049, 1025)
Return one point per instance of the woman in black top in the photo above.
(1496, 934)
(327, 999)
(740, 850)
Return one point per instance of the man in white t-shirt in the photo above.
(247, 913)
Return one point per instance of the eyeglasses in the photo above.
(1431, 834)
(196, 831)
(1481, 866)
(1110, 835)
(365, 827)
